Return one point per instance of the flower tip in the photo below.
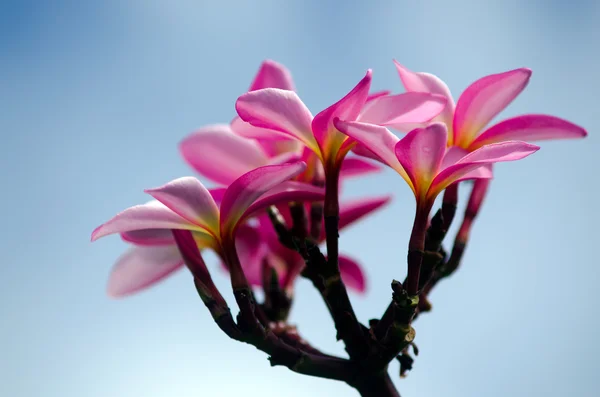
(96, 234)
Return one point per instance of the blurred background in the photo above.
(95, 97)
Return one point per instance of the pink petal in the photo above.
(379, 140)
(152, 215)
(277, 110)
(398, 111)
(530, 127)
(427, 82)
(252, 251)
(483, 100)
(352, 274)
(188, 198)
(249, 187)
(486, 155)
(361, 150)
(280, 146)
(352, 211)
(353, 166)
(220, 155)
(272, 74)
(285, 193)
(454, 154)
(141, 267)
(378, 94)
(421, 153)
(348, 108)
(149, 237)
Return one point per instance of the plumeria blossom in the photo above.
(288, 263)
(185, 204)
(481, 102)
(422, 159)
(282, 112)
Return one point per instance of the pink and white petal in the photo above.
(149, 237)
(397, 111)
(421, 153)
(188, 198)
(348, 108)
(427, 82)
(352, 274)
(142, 267)
(352, 211)
(278, 110)
(285, 158)
(244, 191)
(247, 130)
(529, 127)
(220, 155)
(361, 150)
(272, 74)
(378, 140)
(485, 156)
(284, 193)
(152, 215)
(281, 146)
(354, 166)
(483, 100)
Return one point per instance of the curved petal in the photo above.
(402, 110)
(141, 267)
(530, 127)
(152, 215)
(278, 110)
(247, 130)
(352, 274)
(220, 155)
(272, 74)
(249, 187)
(281, 146)
(379, 140)
(421, 153)
(348, 108)
(483, 100)
(286, 192)
(354, 166)
(427, 82)
(377, 94)
(149, 237)
(188, 198)
(486, 155)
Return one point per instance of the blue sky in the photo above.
(95, 96)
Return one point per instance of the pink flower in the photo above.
(185, 204)
(481, 102)
(282, 112)
(421, 157)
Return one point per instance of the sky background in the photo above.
(95, 97)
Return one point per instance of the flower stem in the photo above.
(378, 386)
(416, 248)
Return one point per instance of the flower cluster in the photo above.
(279, 171)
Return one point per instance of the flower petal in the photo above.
(252, 251)
(247, 130)
(152, 215)
(486, 155)
(149, 237)
(483, 100)
(249, 187)
(286, 192)
(277, 110)
(378, 140)
(354, 166)
(141, 267)
(272, 74)
(403, 110)
(220, 155)
(348, 108)
(188, 198)
(352, 211)
(352, 274)
(421, 153)
(530, 127)
(377, 94)
(427, 82)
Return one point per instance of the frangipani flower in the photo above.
(185, 204)
(283, 112)
(288, 263)
(481, 102)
